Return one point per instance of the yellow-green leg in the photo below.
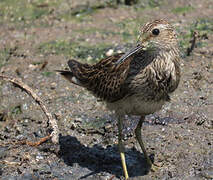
(140, 141)
(121, 146)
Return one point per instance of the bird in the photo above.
(138, 82)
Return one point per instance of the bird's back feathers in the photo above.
(104, 79)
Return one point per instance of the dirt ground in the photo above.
(37, 37)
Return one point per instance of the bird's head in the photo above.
(156, 34)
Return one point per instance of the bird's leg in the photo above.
(139, 139)
(121, 146)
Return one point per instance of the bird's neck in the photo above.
(160, 50)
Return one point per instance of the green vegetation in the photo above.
(83, 52)
(83, 12)
(181, 10)
(95, 125)
(130, 29)
(16, 110)
(78, 17)
(24, 11)
(47, 73)
(4, 56)
(55, 47)
(86, 9)
(148, 4)
(94, 30)
(203, 27)
(154, 3)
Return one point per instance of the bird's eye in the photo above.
(155, 32)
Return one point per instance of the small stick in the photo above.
(37, 143)
(111, 177)
(193, 42)
(55, 134)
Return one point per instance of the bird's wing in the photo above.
(104, 79)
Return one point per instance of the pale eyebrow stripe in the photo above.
(162, 26)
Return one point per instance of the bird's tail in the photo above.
(76, 73)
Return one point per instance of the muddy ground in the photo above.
(39, 36)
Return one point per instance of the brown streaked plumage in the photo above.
(135, 83)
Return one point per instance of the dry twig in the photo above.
(37, 143)
(193, 42)
(111, 177)
(55, 134)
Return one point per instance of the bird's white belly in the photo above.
(135, 105)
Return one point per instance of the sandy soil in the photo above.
(38, 37)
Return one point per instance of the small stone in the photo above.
(109, 52)
(107, 127)
(89, 58)
(25, 106)
(32, 66)
(78, 119)
(3, 116)
(208, 174)
(39, 157)
(3, 152)
(119, 51)
(73, 126)
(53, 85)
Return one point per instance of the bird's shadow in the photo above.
(98, 159)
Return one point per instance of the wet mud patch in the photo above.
(36, 42)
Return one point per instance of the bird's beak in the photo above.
(129, 53)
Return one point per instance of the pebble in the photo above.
(53, 85)
(208, 174)
(39, 157)
(33, 67)
(109, 52)
(3, 152)
(89, 58)
(119, 51)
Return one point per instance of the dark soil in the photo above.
(39, 36)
